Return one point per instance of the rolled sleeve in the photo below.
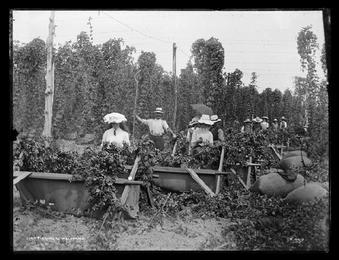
(165, 125)
(126, 139)
(221, 135)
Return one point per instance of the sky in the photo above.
(254, 41)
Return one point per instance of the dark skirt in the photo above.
(158, 141)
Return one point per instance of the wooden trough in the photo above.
(63, 194)
(179, 180)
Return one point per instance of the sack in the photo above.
(294, 153)
(274, 185)
(288, 175)
(294, 162)
(307, 192)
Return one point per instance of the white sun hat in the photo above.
(215, 118)
(194, 121)
(114, 118)
(205, 119)
(257, 120)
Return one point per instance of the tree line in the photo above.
(93, 80)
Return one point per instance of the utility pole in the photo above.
(175, 85)
(49, 92)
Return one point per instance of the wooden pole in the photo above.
(175, 86)
(49, 92)
(248, 179)
(135, 103)
(220, 169)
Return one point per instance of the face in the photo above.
(114, 125)
(158, 115)
(204, 126)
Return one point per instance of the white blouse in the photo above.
(156, 127)
(118, 138)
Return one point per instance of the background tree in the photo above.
(208, 59)
(29, 72)
(315, 92)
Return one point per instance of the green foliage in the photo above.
(98, 169)
(274, 224)
(313, 93)
(259, 222)
(209, 61)
(92, 80)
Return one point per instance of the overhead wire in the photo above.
(262, 72)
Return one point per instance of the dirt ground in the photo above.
(35, 230)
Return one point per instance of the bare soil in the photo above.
(38, 229)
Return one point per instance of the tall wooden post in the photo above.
(175, 86)
(135, 103)
(49, 92)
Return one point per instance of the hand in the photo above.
(174, 136)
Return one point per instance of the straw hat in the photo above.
(247, 121)
(215, 118)
(193, 122)
(265, 117)
(158, 110)
(257, 120)
(114, 118)
(275, 120)
(283, 118)
(205, 119)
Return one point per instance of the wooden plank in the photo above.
(67, 177)
(217, 189)
(275, 152)
(128, 182)
(174, 148)
(182, 170)
(45, 175)
(21, 177)
(130, 177)
(241, 181)
(132, 201)
(200, 182)
(253, 164)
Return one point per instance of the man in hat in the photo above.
(257, 124)
(247, 127)
(275, 125)
(283, 123)
(202, 136)
(157, 128)
(264, 123)
(216, 129)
